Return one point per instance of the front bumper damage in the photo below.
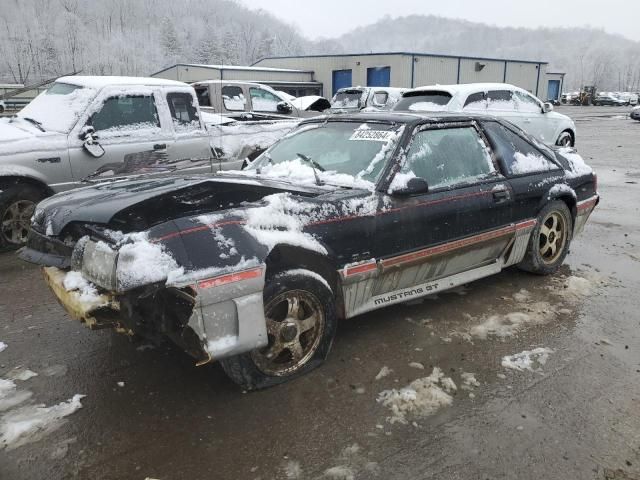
(210, 318)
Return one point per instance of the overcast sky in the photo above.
(330, 18)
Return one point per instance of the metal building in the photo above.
(407, 69)
(296, 82)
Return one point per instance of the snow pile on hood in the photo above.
(142, 262)
(577, 165)
(33, 422)
(527, 359)
(420, 398)
(299, 172)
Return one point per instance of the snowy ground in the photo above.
(515, 376)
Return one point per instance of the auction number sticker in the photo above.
(372, 135)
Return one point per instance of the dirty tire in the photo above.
(540, 258)
(565, 139)
(255, 370)
(17, 202)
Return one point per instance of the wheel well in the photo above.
(284, 257)
(571, 203)
(10, 181)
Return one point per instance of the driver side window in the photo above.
(126, 112)
(263, 101)
(448, 156)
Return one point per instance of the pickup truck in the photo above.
(83, 127)
(240, 100)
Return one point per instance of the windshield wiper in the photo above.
(34, 122)
(313, 165)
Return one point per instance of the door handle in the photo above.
(160, 146)
(500, 195)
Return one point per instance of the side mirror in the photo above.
(90, 142)
(547, 107)
(284, 107)
(414, 186)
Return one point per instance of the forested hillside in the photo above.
(46, 38)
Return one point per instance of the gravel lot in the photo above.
(149, 412)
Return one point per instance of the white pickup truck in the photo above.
(85, 126)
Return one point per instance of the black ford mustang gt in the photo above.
(344, 215)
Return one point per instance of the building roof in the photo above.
(416, 54)
(234, 67)
(106, 80)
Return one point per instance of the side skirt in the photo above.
(427, 288)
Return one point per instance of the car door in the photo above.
(128, 128)
(530, 170)
(462, 222)
(191, 149)
(540, 125)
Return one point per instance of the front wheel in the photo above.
(565, 139)
(17, 204)
(300, 314)
(549, 242)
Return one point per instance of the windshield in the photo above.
(348, 99)
(424, 101)
(58, 108)
(349, 154)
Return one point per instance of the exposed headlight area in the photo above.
(98, 263)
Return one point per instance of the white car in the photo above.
(499, 99)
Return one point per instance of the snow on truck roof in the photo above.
(98, 82)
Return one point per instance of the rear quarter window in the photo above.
(517, 156)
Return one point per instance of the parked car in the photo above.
(347, 214)
(3, 106)
(252, 101)
(635, 113)
(609, 99)
(628, 97)
(354, 99)
(500, 99)
(84, 126)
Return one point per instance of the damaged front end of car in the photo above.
(210, 315)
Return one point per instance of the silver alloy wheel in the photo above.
(16, 220)
(553, 237)
(564, 140)
(295, 326)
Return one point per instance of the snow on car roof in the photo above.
(98, 82)
(466, 87)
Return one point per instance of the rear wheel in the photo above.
(300, 313)
(549, 242)
(17, 204)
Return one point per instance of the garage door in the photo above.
(553, 92)
(341, 79)
(378, 76)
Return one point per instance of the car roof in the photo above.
(98, 82)
(465, 88)
(400, 117)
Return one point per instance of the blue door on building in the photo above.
(553, 92)
(378, 76)
(341, 79)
